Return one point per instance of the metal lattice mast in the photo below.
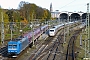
(2, 29)
(88, 29)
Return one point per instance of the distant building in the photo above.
(53, 14)
(51, 9)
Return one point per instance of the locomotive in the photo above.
(16, 46)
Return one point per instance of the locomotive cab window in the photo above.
(14, 46)
(53, 27)
(9, 46)
(51, 30)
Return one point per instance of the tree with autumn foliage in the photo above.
(5, 17)
(27, 10)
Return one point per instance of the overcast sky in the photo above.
(61, 5)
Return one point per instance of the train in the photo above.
(16, 46)
(55, 29)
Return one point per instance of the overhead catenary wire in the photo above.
(67, 4)
(81, 5)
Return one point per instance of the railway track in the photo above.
(3, 52)
(18, 56)
(40, 49)
(50, 44)
(55, 51)
(70, 55)
(49, 47)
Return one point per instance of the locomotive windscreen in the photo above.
(51, 30)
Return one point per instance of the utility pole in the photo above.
(11, 28)
(80, 39)
(87, 34)
(2, 29)
(32, 29)
(86, 37)
(20, 25)
(11, 33)
(68, 24)
(88, 29)
(64, 32)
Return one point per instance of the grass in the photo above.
(67, 40)
(81, 49)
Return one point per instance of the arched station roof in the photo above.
(84, 16)
(75, 16)
(63, 16)
(72, 16)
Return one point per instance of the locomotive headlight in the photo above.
(15, 51)
(12, 51)
(9, 51)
